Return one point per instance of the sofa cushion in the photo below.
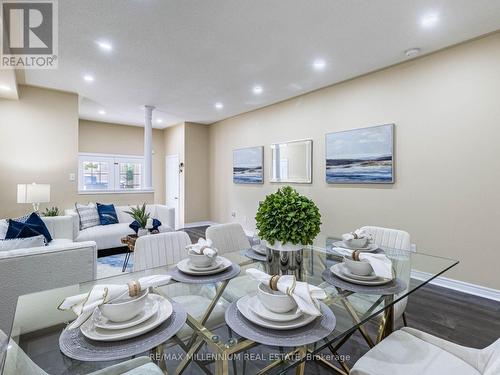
(105, 236)
(34, 222)
(88, 215)
(22, 243)
(107, 214)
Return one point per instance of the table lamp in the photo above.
(33, 193)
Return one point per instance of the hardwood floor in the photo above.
(461, 318)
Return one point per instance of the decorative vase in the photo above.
(142, 232)
(285, 259)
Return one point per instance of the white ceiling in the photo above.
(184, 56)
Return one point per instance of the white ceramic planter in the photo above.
(142, 232)
(288, 246)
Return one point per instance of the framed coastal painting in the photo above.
(248, 165)
(361, 156)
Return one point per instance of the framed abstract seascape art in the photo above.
(248, 165)
(361, 156)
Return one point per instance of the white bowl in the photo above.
(200, 260)
(358, 267)
(275, 301)
(357, 242)
(125, 308)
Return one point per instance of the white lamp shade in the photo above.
(33, 193)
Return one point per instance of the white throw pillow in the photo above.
(89, 217)
(22, 243)
(4, 226)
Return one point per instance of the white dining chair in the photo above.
(162, 249)
(228, 237)
(17, 362)
(231, 237)
(397, 244)
(166, 249)
(413, 352)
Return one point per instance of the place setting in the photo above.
(203, 264)
(363, 272)
(258, 251)
(283, 312)
(359, 240)
(119, 321)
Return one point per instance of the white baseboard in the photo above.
(461, 286)
(199, 224)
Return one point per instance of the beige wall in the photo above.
(447, 115)
(196, 174)
(38, 143)
(101, 137)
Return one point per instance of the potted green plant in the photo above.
(52, 211)
(287, 220)
(140, 215)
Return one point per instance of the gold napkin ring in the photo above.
(355, 255)
(273, 282)
(134, 288)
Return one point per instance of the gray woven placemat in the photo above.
(395, 286)
(75, 345)
(182, 277)
(252, 254)
(313, 332)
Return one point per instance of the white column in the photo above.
(148, 147)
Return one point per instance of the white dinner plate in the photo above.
(367, 249)
(243, 305)
(92, 332)
(213, 266)
(259, 249)
(338, 270)
(222, 262)
(258, 308)
(150, 308)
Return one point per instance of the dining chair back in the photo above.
(162, 249)
(228, 237)
(397, 244)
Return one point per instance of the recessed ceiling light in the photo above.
(88, 78)
(102, 112)
(257, 90)
(412, 52)
(105, 45)
(429, 20)
(219, 105)
(5, 88)
(319, 64)
(159, 121)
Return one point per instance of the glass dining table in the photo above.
(207, 345)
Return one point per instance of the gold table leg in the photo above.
(387, 326)
(158, 354)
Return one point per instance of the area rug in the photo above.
(112, 265)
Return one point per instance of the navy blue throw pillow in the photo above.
(107, 214)
(135, 225)
(34, 222)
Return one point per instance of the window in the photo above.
(109, 173)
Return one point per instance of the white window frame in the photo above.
(114, 172)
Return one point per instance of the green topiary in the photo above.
(287, 216)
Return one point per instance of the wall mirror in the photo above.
(292, 162)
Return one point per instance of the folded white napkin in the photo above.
(382, 266)
(305, 295)
(83, 305)
(358, 233)
(203, 247)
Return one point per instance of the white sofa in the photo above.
(61, 263)
(109, 236)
